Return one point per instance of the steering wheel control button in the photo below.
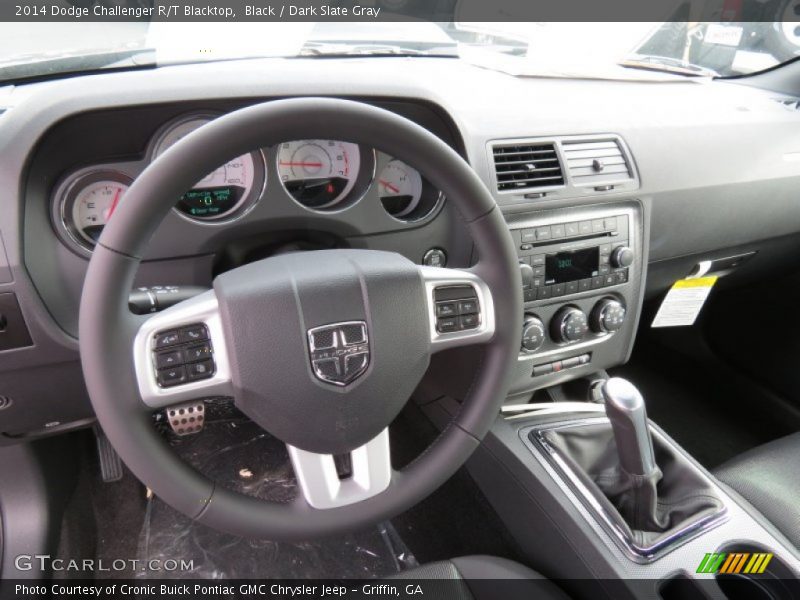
(435, 257)
(193, 333)
(468, 307)
(172, 376)
(200, 370)
(166, 338)
(447, 324)
(468, 321)
(189, 356)
(171, 358)
(457, 308)
(446, 309)
(197, 352)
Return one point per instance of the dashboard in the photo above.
(671, 173)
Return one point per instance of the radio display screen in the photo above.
(571, 266)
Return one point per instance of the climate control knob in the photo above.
(608, 316)
(533, 334)
(621, 257)
(569, 325)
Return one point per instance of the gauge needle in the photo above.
(114, 203)
(389, 186)
(300, 164)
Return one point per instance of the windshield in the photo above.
(601, 50)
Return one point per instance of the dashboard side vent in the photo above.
(521, 167)
(596, 162)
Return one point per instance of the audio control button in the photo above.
(622, 257)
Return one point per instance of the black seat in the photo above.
(476, 578)
(769, 478)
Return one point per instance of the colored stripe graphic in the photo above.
(735, 562)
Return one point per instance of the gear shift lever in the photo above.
(625, 409)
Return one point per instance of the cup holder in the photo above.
(777, 582)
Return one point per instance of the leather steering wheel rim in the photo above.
(107, 327)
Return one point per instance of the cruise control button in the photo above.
(468, 321)
(447, 324)
(168, 359)
(201, 370)
(194, 333)
(166, 338)
(469, 307)
(170, 377)
(446, 309)
(197, 352)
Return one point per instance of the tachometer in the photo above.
(88, 203)
(319, 174)
(225, 192)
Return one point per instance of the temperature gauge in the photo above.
(400, 188)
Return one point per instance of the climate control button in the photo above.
(608, 316)
(569, 325)
(533, 334)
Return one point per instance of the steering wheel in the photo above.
(321, 349)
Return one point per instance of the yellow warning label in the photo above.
(695, 283)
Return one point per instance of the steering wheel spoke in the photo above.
(322, 485)
(180, 354)
(459, 306)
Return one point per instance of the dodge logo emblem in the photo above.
(339, 351)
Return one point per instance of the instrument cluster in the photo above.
(318, 175)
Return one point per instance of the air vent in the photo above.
(521, 167)
(595, 162)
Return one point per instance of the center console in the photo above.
(582, 271)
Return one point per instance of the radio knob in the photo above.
(526, 271)
(569, 325)
(608, 316)
(621, 257)
(533, 334)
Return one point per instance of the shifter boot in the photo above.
(648, 508)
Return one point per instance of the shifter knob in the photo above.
(625, 409)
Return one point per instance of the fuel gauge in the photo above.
(88, 203)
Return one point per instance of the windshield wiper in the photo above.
(35, 66)
(346, 49)
(667, 64)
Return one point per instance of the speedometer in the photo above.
(319, 174)
(224, 193)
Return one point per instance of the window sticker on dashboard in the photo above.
(683, 302)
